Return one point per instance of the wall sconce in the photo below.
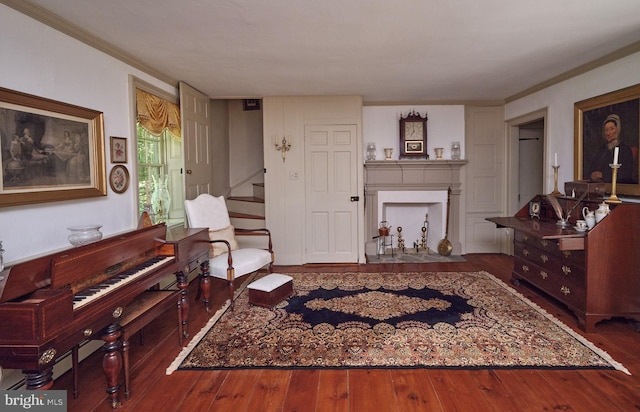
(284, 146)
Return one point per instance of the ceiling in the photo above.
(386, 51)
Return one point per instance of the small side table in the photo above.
(382, 243)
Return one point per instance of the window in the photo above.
(157, 135)
(151, 163)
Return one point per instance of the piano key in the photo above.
(95, 292)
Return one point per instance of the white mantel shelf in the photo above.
(413, 175)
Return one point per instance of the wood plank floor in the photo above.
(368, 389)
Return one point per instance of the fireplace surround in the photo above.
(406, 177)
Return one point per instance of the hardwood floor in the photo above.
(367, 389)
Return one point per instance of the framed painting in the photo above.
(118, 149)
(250, 104)
(119, 179)
(607, 128)
(50, 151)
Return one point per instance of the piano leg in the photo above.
(205, 284)
(39, 380)
(112, 362)
(183, 305)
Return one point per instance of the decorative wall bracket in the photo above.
(283, 146)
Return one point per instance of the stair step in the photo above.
(248, 205)
(244, 221)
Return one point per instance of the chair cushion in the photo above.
(227, 234)
(245, 261)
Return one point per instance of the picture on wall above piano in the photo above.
(607, 132)
(49, 151)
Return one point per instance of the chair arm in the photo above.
(255, 232)
(229, 258)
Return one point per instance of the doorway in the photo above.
(531, 156)
(526, 159)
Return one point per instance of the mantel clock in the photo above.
(413, 135)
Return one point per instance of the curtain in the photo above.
(156, 114)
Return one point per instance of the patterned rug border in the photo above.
(184, 353)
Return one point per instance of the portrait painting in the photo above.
(50, 151)
(607, 130)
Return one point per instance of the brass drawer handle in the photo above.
(565, 290)
(544, 243)
(525, 268)
(566, 270)
(567, 253)
(525, 238)
(525, 252)
(544, 274)
(544, 258)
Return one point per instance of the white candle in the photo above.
(555, 160)
(615, 155)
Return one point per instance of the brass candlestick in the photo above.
(614, 177)
(555, 192)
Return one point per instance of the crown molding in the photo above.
(55, 22)
(609, 58)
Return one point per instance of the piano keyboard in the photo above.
(93, 293)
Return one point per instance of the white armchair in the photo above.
(227, 261)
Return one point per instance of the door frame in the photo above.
(513, 157)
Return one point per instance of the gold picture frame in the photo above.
(590, 116)
(118, 149)
(119, 179)
(49, 151)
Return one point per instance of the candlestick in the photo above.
(615, 155)
(614, 178)
(555, 192)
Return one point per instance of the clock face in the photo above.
(413, 131)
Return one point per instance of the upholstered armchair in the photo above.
(227, 261)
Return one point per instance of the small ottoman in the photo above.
(270, 290)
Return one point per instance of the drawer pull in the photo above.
(544, 258)
(566, 270)
(544, 243)
(525, 252)
(567, 253)
(525, 268)
(525, 238)
(87, 332)
(565, 290)
(544, 274)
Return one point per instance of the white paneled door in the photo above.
(196, 129)
(331, 189)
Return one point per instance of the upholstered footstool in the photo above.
(270, 290)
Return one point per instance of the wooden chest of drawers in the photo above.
(596, 274)
(559, 273)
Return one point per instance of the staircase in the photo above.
(247, 212)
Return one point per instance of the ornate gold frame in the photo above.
(589, 115)
(14, 104)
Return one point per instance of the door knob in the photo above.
(189, 171)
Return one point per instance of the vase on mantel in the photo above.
(161, 198)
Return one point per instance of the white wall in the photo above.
(445, 124)
(245, 148)
(41, 61)
(560, 99)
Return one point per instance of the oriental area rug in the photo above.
(391, 320)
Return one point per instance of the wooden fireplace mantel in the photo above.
(413, 175)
